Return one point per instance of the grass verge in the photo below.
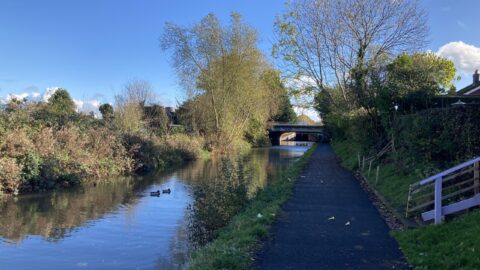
(234, 246)
(452, 245)
(391, 185)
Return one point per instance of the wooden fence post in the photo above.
(369, 168)
(376, 177)
(438, 201)
(476, 177)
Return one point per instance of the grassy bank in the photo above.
(234, 246)
(452, 245)
(391, 184)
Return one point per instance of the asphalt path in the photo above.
(329, 223)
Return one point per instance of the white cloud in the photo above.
(465, 56)
(88, 106)
(49, 92)
(85, 106)
(312, 113)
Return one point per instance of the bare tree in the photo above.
(334, 43)
(129, 105)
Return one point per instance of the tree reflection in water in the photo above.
(54, 215)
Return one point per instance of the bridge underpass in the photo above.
(283, 131)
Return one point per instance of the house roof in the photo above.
(469, 89)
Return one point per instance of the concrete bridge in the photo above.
(279, 131)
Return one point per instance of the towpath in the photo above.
(329, 223)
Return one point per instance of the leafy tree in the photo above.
(60, 103)
(413, 80)
(283, 110)
(336, 43)
(221, 70)
(107, 111)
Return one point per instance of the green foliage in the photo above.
(41, 148)
(282, 111)
(60, 103)
(225, 77)
(234, 245)
(257, 134)
(156, 119)
(439, 137)
(158, 153)
(413, 80)
(107, 111)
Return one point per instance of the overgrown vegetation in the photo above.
(234, 246)
(232, 90)
(44, 145)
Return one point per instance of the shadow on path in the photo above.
(329, 223)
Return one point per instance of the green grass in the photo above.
(392, 185)
(452, 245)
(236, 243)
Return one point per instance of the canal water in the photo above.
(119, 225)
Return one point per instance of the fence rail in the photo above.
(447, 192)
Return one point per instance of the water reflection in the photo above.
(53, 216)
(218, 200)
(118, 225)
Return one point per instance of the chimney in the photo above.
(476, 77)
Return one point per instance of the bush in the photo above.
(10, 175)
(48, 145)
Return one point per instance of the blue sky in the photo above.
(92, 47)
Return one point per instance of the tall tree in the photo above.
(283, 110)
(335, 43)
(221, 69)
(61, 103)
(414, 79)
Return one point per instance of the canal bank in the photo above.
(329, 223)
(235, 245)
(116, 224)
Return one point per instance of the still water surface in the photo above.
(118, 225)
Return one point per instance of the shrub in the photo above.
(10, 175)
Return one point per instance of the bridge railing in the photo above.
(447, 192)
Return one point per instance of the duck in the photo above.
(166, 190)
(155, 193)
